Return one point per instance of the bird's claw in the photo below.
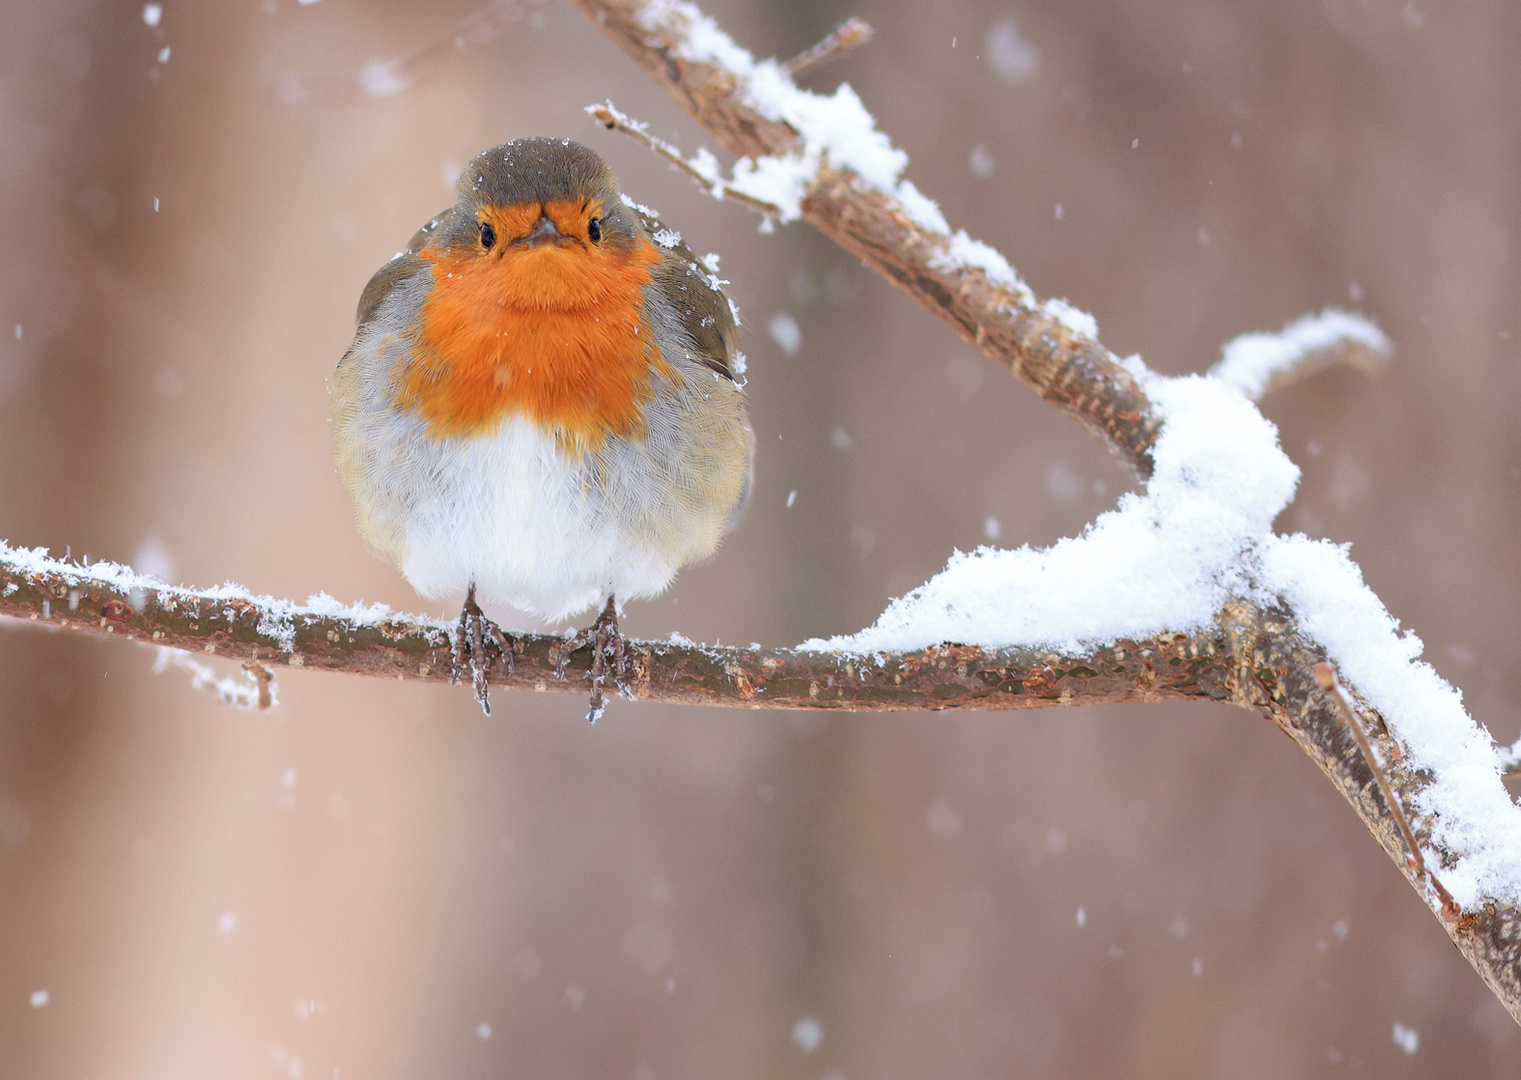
(474, 637)
(609, 651)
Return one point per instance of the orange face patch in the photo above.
(554, 332)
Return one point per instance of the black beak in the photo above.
(544, 232)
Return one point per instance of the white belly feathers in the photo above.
(512, 518)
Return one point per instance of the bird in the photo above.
(542, 404)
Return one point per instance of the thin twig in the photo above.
(850, 34)
(257, 693)
(1258, 364)
(948, 274)
(265, 679)
(704, 170)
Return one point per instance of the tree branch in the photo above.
(1260, 658)
(112, 600)
(1258, 364)
(986, 304)
(1258, 653)
(850, 34)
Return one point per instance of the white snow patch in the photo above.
(1163, 560)
(704, 38)
(383, 79)
(153, 14)
(279, 618)
(645, 210)
(807, 1033)
(1010, 53)
(1250, 361)
(966, 252)
(785, 332)
(1475, 817)
(837, 125)
(980, 162)
(1074, 319)
(780, 181)
(666, 238)
(706, 165)
(923, 210)
(710, 264)
(1407, 1039)
(716, 283)
(1510, 757)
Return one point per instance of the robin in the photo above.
(540, 404)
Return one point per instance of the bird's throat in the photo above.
(556, 335)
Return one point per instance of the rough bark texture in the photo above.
(1078, 376)
(942, 677)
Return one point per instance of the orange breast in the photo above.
(553, 333)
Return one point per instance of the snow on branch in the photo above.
(702, 168)
(822, 159)
(1254, 365)
(1195, 553)
(1169, 558)
(264, 633)
(1181, 592)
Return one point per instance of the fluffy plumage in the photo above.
(539, 400)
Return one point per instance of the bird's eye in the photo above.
(488, 235)
(594, 230)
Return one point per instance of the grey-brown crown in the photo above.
(536, 170)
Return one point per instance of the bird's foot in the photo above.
(474, 637)
(609, 652)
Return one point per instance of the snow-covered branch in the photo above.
(1182, 591)
(231, 623)
(1255, 365)
(1194, 554)
(822, 159)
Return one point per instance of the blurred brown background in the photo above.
(375, 881)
